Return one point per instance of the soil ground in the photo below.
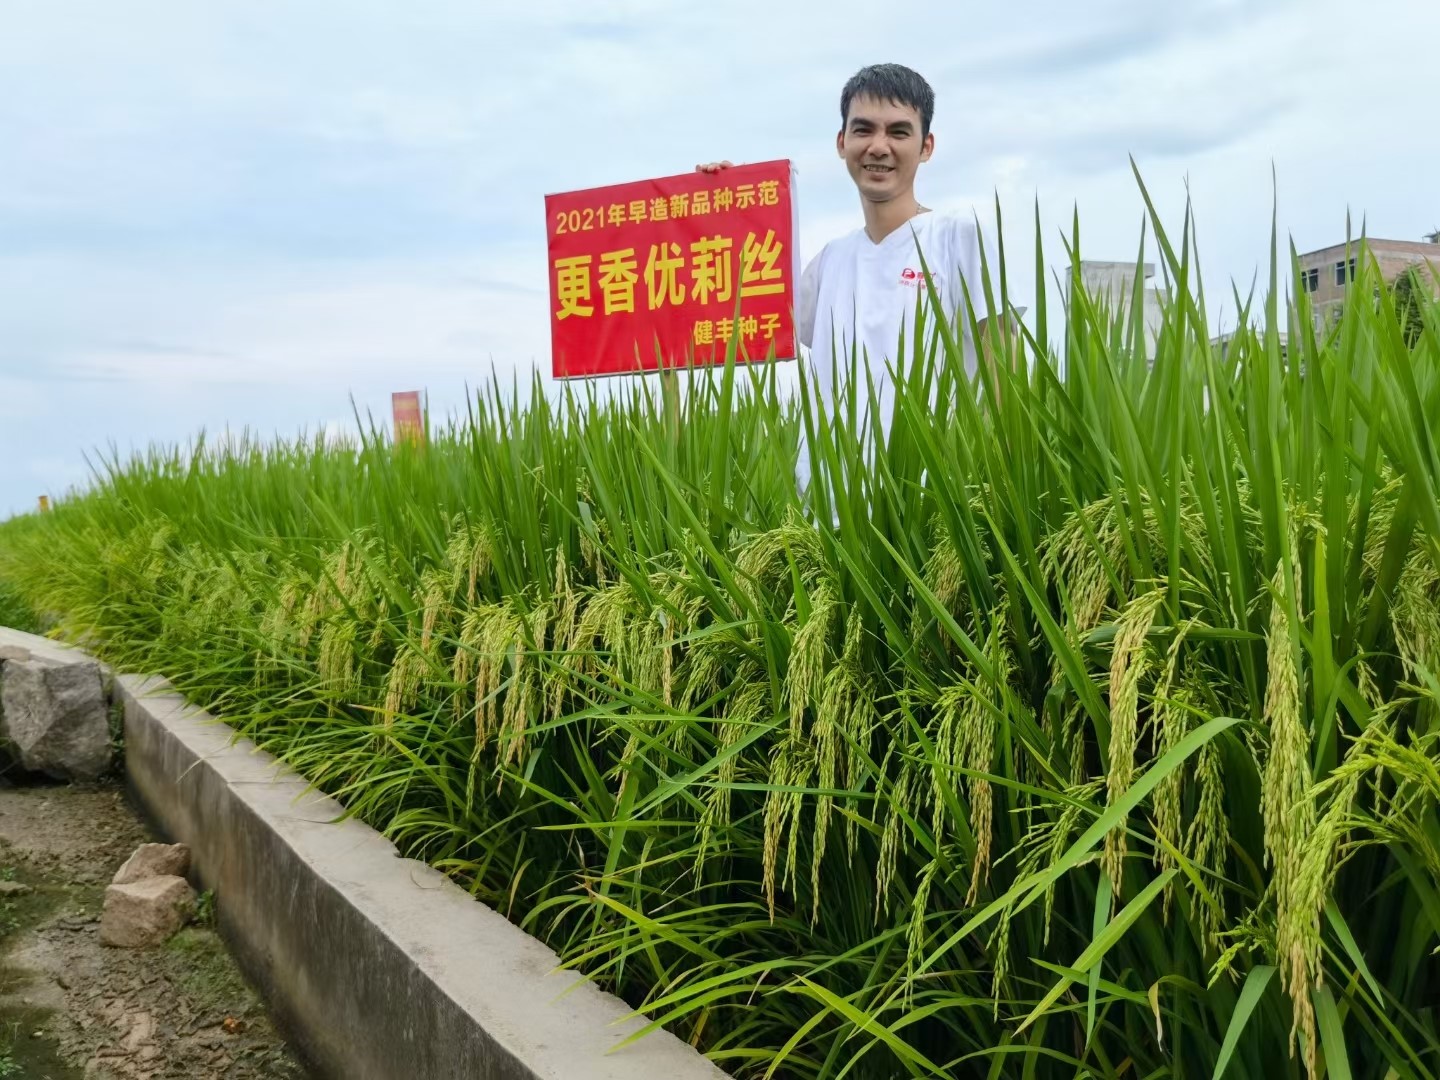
(73, 1009)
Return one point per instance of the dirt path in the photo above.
(73, 1009)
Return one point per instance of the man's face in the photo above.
(882, 147)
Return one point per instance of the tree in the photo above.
(1409, 293)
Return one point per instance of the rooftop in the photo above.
(1429, 248)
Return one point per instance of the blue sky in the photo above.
(223, 215)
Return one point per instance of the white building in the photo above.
(1112, 285)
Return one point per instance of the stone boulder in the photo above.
(145, 913)
(154, 860)
(53, 714)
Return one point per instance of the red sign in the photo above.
(673, 271)
(405, 407)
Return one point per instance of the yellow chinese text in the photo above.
(662, 275)
(711, 269)
(572, 286)
(760, 273)
(617, 280)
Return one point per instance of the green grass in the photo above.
(14, 612)
(1085, 727)
(196, 960)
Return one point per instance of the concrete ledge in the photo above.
(380, 968)
(41, 647)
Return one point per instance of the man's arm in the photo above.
(985, 347)
(806, 298)
(969, 240)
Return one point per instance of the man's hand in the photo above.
(714, 166)
(1007, 330)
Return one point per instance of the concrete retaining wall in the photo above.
(380, 968)
(44, 648)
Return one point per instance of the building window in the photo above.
(1310, 279)
(1340, 277)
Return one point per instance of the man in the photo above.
(861, 289)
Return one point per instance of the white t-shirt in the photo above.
(856, 289)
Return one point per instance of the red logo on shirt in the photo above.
(912, 277)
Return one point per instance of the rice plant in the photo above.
(1083, 726)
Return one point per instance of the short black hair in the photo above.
(890, 82)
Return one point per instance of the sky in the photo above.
(266, 216)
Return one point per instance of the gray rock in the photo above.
(14, 888)
(14, 652)
(53, 714)
(154, 860)
(145, 913)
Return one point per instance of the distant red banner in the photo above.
(405, 408)
(672, 271)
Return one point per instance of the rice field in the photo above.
(1085, 728)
